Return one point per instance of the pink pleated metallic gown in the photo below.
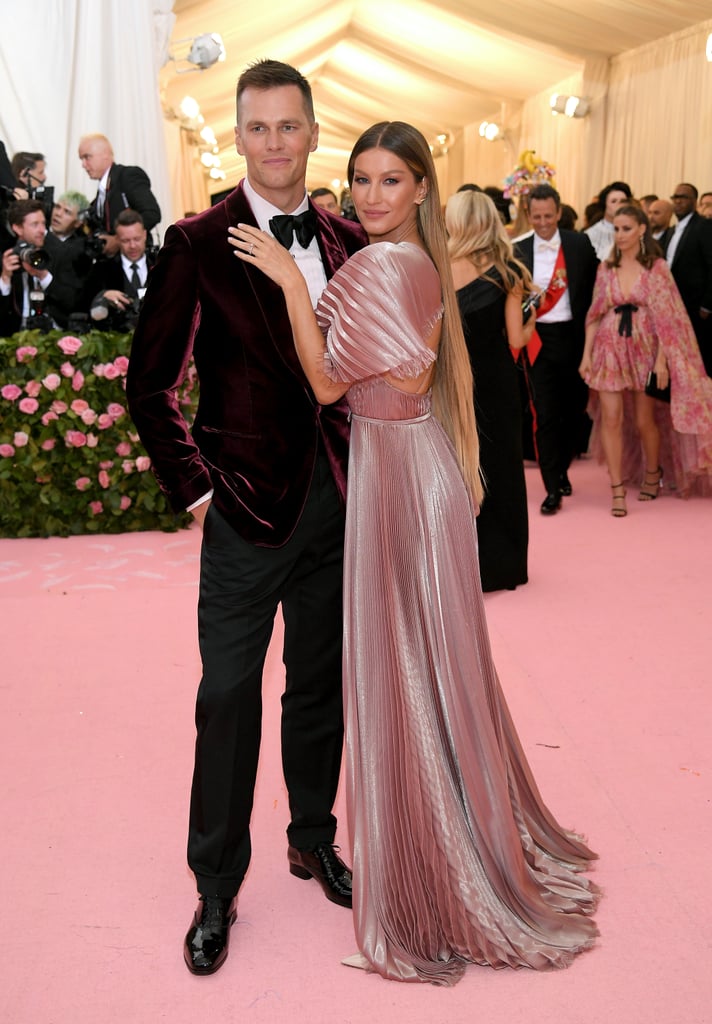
(456, 858)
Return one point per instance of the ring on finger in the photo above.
(252, 249)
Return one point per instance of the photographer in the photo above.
(34, 289)
(30, 172)
(68, 237)
(117, 286)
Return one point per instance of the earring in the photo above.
(642, 245)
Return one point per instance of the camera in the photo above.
(35, 256)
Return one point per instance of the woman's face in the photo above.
(627, 232)
(386, 195)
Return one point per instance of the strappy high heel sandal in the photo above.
(649, 489)
(618, 506)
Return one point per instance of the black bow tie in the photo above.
(286, 226)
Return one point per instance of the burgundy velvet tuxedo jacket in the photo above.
(258, 425)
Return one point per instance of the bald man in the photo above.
(660, 215)
(120, 188)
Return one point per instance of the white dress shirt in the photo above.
(675, 240)
(546, 254)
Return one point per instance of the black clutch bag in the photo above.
(652, 389)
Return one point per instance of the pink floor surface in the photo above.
(604, 657)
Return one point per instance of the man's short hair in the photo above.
(544, 192)
(76, 199)
(24, 161)
(21, 208)
(686, 184)
(268, 74)
(128, 217)
(316, 192)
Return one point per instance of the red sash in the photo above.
(555, 289)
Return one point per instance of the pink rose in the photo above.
(11, 392)
(82, 483)
(115, 410)
(6, 451)
(96, 507)
(104, 480)
(75, 438)
(125, 502)
(92, 440)
(51, 381)
(21, 438)
(128, 465)
(25, 352)
(79, 406)
(59, 407)
(66, 369)
(69, 345)
(48, 445)
(132, 437)
(28, 405)
(99, 369)
(33, 388)
(143, 463)
(48, 417)
(107, 464)
(88, 417)
(122, 364)
(124, 448)
(105, 421)
(78, 381)
(110, 372)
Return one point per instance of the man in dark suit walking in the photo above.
(264, 472)
(563, 265)
(689, 255)
(120, 188)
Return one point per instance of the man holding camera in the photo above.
(34, 287)
(117, 286)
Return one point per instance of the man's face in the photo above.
(327, 202)
(275, 136)
(705, 207)
(659, 214)
(95, 157)
(614, 199)
(34, 176)
(544, 217)
(32, 229)
(683, 201)
(132, 241)
(65, 218)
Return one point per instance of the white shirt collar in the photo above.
(543, 243)
(105, 178)
(681, 223)
(264, 210)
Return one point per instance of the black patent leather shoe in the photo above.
(323, 865)
(551, 504)
(565, 485)
(206, 944)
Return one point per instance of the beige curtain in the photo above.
(189, 184)
(659, 118)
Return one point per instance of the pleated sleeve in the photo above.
(377, 311)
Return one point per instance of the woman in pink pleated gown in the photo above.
(456, 858)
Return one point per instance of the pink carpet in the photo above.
(605, 660)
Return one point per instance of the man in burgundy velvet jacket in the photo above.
(264, 472)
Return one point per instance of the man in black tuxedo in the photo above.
(689, 255)
(563, 265)
(264, 473)
(120, 188)
(660, 214)
(116, 287)
(38, 292)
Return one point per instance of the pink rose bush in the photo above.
(69, 453)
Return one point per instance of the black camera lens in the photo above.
(33, 255)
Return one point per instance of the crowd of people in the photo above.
(66, 260)
(366, 350)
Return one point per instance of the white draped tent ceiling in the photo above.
(442, 66)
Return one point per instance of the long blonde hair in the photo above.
(452, 385)
(476, 233)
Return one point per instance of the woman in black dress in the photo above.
(491, 286)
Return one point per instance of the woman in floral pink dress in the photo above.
(636, 325)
